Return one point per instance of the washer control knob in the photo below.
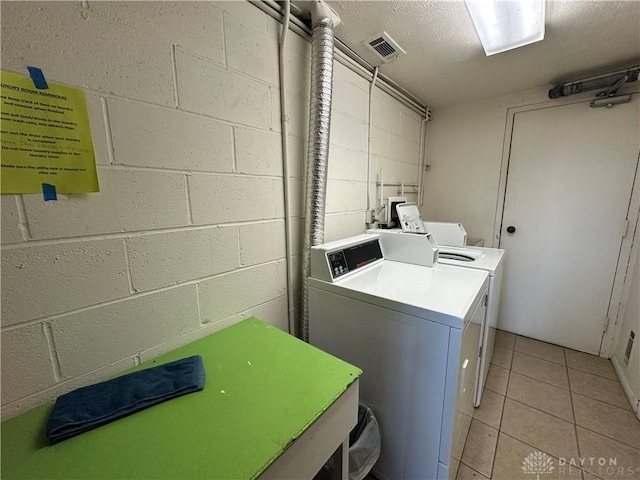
(511, 229)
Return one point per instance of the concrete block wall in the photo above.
(187, 233)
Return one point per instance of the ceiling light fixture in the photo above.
(506, 24)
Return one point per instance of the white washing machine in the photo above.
(490, 260)
(414, 331)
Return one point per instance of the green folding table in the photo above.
(272, 407)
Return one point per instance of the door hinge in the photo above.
(486, 301)
(606, 324)
(480, 354)
(626, 228)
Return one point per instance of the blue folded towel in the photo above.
(90, 407)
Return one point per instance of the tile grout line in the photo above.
(595, 374)
(573, 411)
(541, 381)
(539, 358)
(571, 394)
(563, 388)
(497, 393)
(606, 403)
(599, 399)
(537, 409)
(617, 440)
(463, 448)
(564, 349)
(528, 376)
(495, 453)
(497, 439)
(535, 448)
(486, 424)
(470, 468)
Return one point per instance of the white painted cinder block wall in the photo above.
(187, 233)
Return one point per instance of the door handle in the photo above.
(511, 229)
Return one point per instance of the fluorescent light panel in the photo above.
(506, 24)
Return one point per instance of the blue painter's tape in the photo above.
(49, 192)
(38, 77)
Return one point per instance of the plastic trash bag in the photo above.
(364, 446)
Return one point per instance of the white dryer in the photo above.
(414, 330)
(490, 260)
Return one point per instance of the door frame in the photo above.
(617, 302)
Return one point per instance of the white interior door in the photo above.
(570, 177)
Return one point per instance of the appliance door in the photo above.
(489, 331)
(404, 360)
(467, 374)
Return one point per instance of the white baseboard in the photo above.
(625, 386)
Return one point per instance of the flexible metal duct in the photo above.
(318, 148)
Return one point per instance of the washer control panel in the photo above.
(350, 259)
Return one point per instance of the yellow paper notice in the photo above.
(46, 138)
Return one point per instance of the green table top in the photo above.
(263, 389)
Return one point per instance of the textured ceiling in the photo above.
(446, 65)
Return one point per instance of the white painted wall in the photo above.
(187, 233)
(465, 145)
(464, 151)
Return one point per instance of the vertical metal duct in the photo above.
(318, 143)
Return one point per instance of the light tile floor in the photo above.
(544, 398)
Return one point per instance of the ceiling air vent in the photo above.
(384, 47)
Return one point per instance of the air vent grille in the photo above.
(384, 47)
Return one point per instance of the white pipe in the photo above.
(370, 140)
(383, 84)
(346, 57)
(424, 130)
(285, 169)
(381, 186)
